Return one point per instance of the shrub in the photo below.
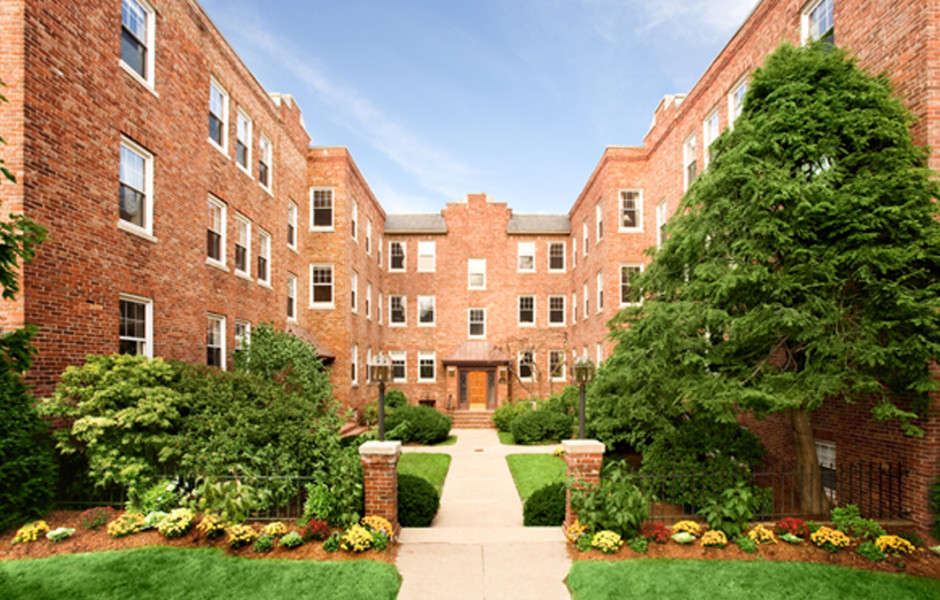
(60, 533)
(545, 507)
(830, 540)
(584, 543)
(177, 524)
(714, 539)
(848, 520)
(746, 544)
(690, 527)
(316, 530)
(380, 540)
(506, 413)
(161, 496)
(126, 524)
(615, 504)
(426, 425)
(240, 535)
(232, 500)
(792, 525)
(418, 501)
(731, 510)
(356, 539)
(638, 545)
(934, 503)
(264, 543)
(607, 542)
(912, 536)
(655, 532)
(332, 543)
(871, 551)
(96, 517)
(30, 532)
(211, 526)
(541, 426)
(395, 398)
(291, 540)
(762, 535)
(275, 529)
(893, 544)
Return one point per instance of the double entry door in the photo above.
(477, 389)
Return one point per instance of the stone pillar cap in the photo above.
(583, 447)
(380, 448)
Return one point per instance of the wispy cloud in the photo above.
(702, 18)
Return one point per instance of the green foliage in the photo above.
(332, 543)
(507, 412)
(934, 501)
(541, 426)
(615, 504)
(638, 544)
(545, 507)
(161, 496)
(871, 551)
(534, 471)
(430, 466)
(912, 537)
(848, 520)
(426, 425)
(96, 517)
(733, 509)
(231, 499)
(395, 398)
(418, 501)
(746, 544)
(830, 263)
(264, 543)
(291, 540)
(27, 472)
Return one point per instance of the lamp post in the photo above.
(380, 371)
(583, 375)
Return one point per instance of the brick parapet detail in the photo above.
(380, 471)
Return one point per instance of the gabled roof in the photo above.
(532, 224)
(415, 224)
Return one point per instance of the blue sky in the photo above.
(515, 98)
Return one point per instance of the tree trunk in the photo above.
(812, 499)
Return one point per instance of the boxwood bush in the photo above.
(418, 501)
(541, 426)
(425, 425)
(507, 413)
(546, 506)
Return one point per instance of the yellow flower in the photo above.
(690, 527)
(31, 532)
(831, 540)
(126, 524)
(894, 544)
(275, 529)
(378, 524)
(240, 535)
(607, 542)
(714, 539)
(576, 530)
(357, 539)
(762, 535)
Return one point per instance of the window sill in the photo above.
(267, 188)
(243, 275)
(322, 306)
(557, 324)
(398, 270)
(292, 248)
(427, 324)
(397, 324)
(148, 85)
(525, 270)
(427, 381)
(221, 149)
(265, 284)
(135, 230)
(630, 230)
(476, 289)
(322, 229)
(216, 264)
(526, 324)
(291, 319)
(244, 170)
(556, 271)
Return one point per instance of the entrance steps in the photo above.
(472, 419)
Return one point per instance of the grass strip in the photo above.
(431, 466)
(533, 471)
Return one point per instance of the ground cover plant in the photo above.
(739, 580)
(533, 471)
(183, 574)
(430, 466)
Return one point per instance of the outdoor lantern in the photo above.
(380, 371)
(583, 375)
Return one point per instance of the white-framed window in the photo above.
(736, 100)
(556, 310)
(215, 232)
(631, 210)
(476, 273)
(265, 162)
(526, 311)
(135, 199)
(369, 237)
(399, 360)
(291, 225)
(427, 361)
(584, 236)
(378, 309)
(354, 365)
(137, 39)
(689, 164)
(826, 458)
(556, 257)
(599, 217)
(135, 325)
(291, 297)
(426, 311)
(215, 341)
(242, 245)
(397, 311)
(242, 334)
(354, 292)
(627, 272)
(427, 256)
(354, 220)
(710, 133)
(368, 300)
(600, 291)
(321, 286)
(817, 23)
(556, 365)
(264, 257)
(587, 301)
(574, 252)
(321, 209)
(526, 254)
(368, 361)
(243, 141)
(396, 256)
(218, 116)
(381, 245)
(574, 307)
(661, 218)
(525, 361)
(476, 321)
(599, 347)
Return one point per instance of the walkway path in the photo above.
(477, 548)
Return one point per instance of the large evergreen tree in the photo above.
(800, 269)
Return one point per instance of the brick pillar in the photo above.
(583, 458)
(380, 467)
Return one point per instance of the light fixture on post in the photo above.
(380, 371)
(583, 375)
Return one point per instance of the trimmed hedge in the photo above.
(425, 425)
(541, 426)
(418, 501)
(545, 507)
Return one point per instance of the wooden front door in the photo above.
(476, 389)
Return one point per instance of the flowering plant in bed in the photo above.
(211, 526)
(275, 529)
(830, 540)
(607, 542)
(30, 532)
(60, 533)
(654, 532)
(177, 523)
(96, 517)
(690, 527)
(792, 525)
(127, 524)
(241, 535)
(762, 535)
(893, 544)
(714, 539)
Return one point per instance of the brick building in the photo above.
(184, 203)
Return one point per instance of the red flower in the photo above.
(655, 532)
(792, 525)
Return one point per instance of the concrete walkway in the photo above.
(477, 548)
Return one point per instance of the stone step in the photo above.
(472, 420)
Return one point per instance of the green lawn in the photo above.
(165, 573)
(432, 467)
(738, 580)
(506, 438)
(532, 471)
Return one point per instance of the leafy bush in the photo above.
(683, 537)
(506, 413)
(316, 530)
(912, 536)
(26, 465)
(541, 426)
(264, 543)
(545, 507)
(790, 538)
(332, 543)
(96, 517)
(395, 398)
(426, 425)
(638, 545)
(232, 500)
(291, 540)
(871, 551)
(848, 520)
(418, 501)
(153, 519)
(731, 510)
(746, 544)
(161, 496)
(615, 503)
(934, 502)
